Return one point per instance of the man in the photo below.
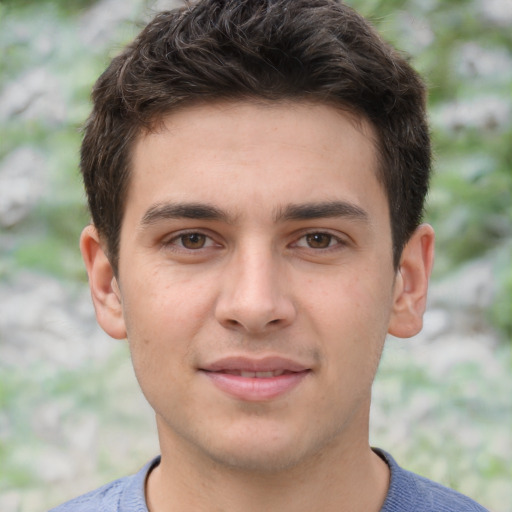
(256, 172)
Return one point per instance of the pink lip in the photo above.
(254, 389)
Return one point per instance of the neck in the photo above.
(341, 478)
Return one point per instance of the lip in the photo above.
(252, 388)
(250, 364)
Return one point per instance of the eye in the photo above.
(191, 241)
(318, 240)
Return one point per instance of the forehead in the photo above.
(244, 153)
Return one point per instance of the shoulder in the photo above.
(105, 498)
(123, 495)
(408, 491)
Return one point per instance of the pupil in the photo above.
(319, 240)
(193, 241)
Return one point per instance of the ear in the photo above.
(411, 285)
(105, 292)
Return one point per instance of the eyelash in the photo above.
(338, 241)
(176, 242)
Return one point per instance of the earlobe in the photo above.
(410, 293)
(105, 292)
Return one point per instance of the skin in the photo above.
(252, 270)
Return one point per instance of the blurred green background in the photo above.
(443, 402)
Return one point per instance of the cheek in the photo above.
(351, 300)
(350, 317)
(164, 314)
(163, 303)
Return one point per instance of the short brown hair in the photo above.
(318, 50)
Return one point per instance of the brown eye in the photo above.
(193, 240)
(318, 240)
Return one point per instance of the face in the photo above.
(255, 282)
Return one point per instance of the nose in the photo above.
(253, 296)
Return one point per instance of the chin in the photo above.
(265, 451)
(258, 459)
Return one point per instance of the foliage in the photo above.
(64, 6)
(466, 57)
(39, 42)
(446, 427)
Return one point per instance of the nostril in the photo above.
(236, 324)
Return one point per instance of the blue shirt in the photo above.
(407, 492)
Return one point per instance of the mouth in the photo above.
(255, 380)
(257, 375)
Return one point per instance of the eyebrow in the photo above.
(322, 210)
(293, 212)
(167, 211)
